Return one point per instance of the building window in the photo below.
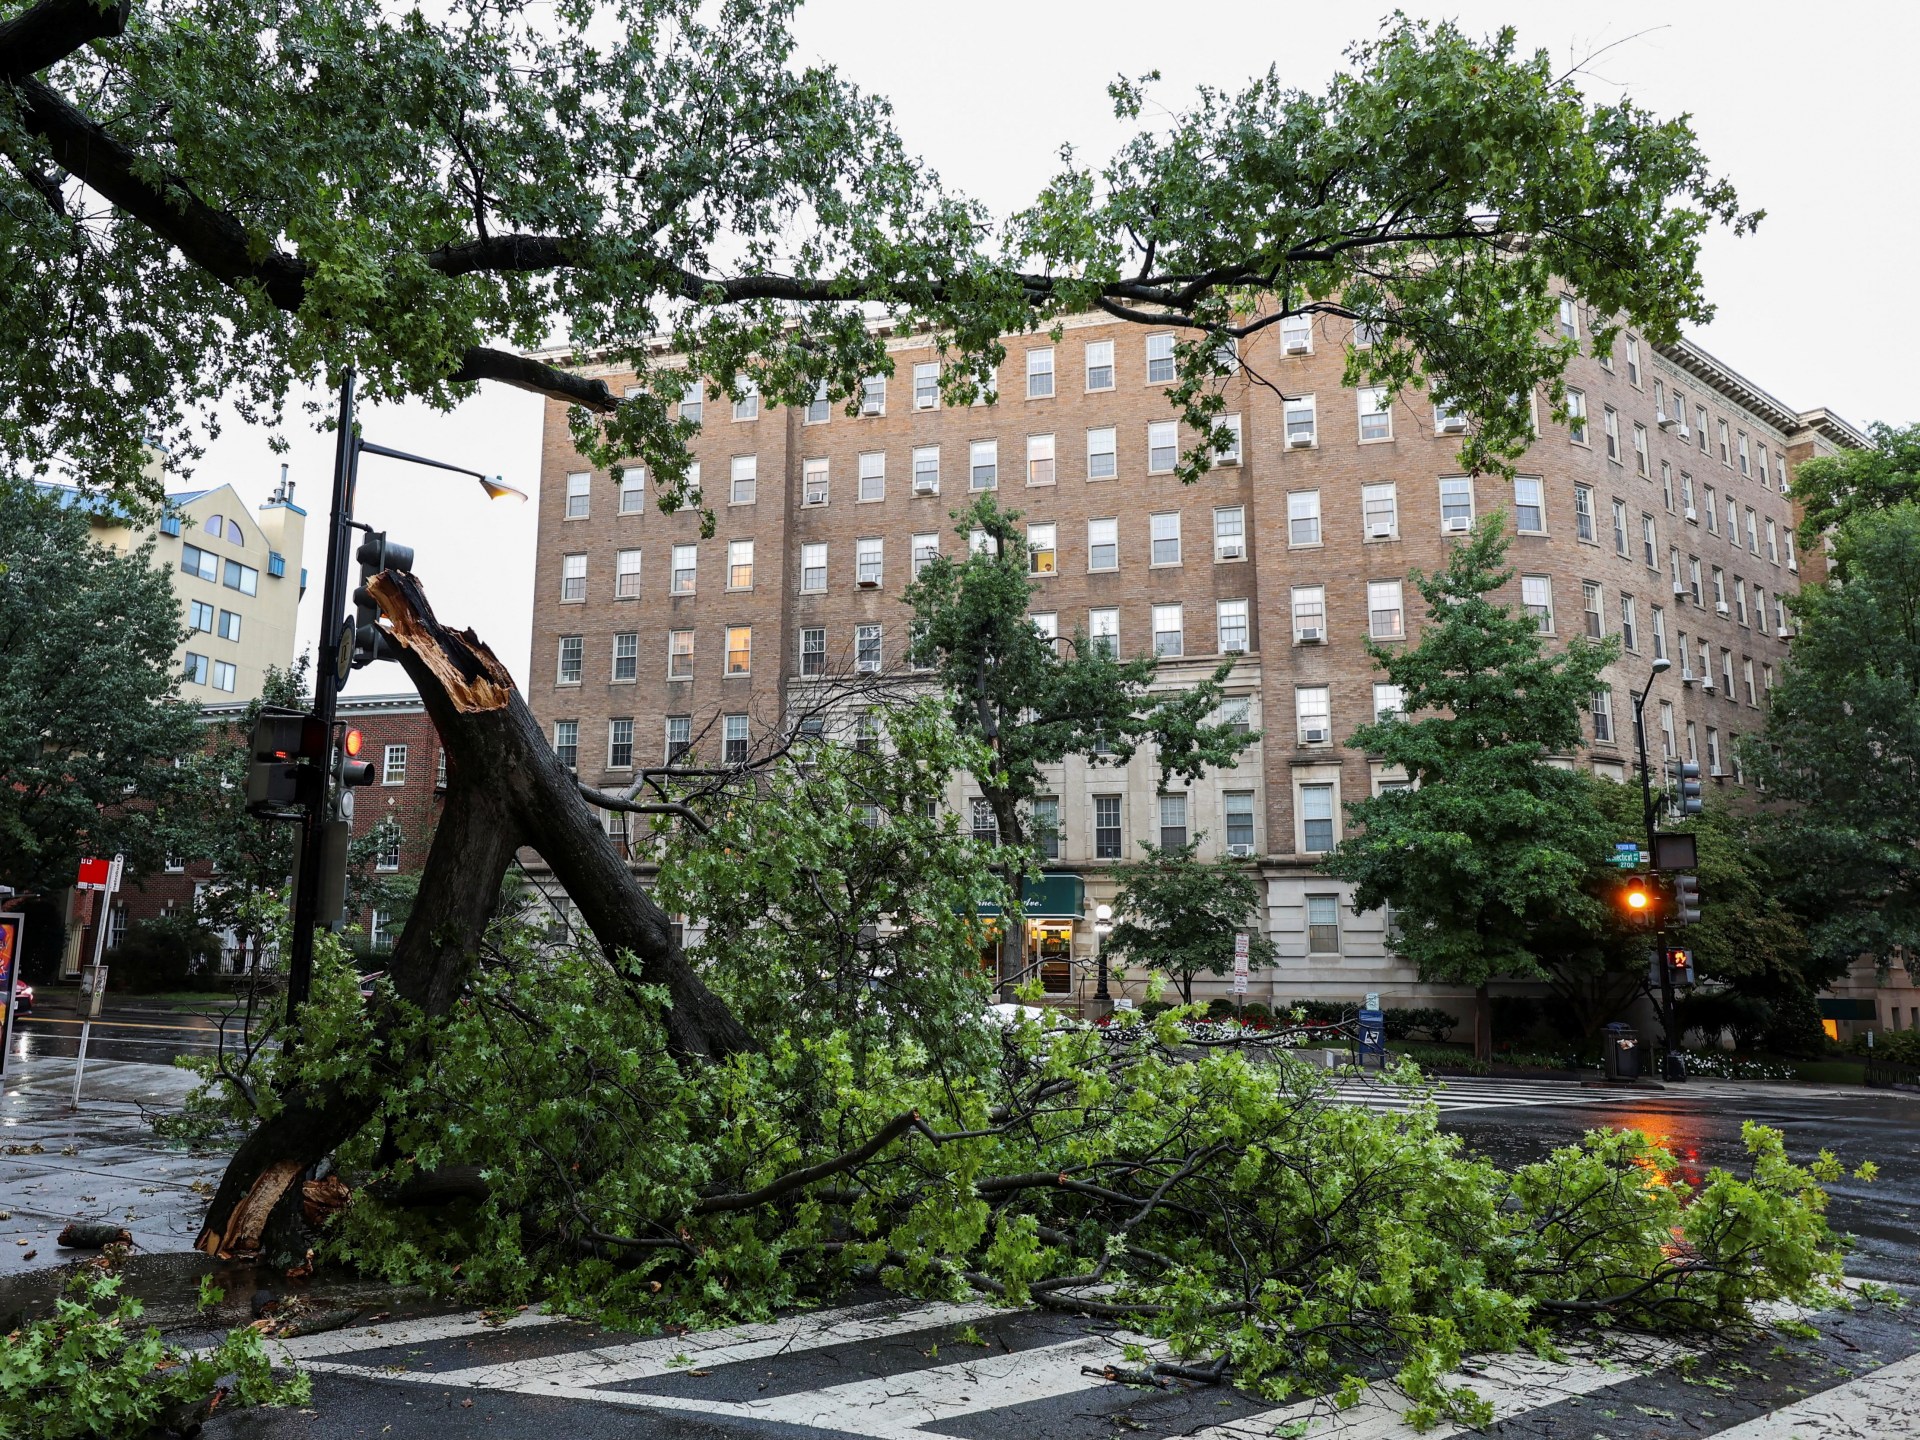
(203, 563)
(566, 746)
(626, 575)
(813, 567)
(1659, 632)
(746, 404)
(1686, 497)
(1323, 924)
(1296, 334)
(1313, 712)
(1173, 821)
(1726, 449)
(1229, 533)
(926, 471)
(1726, 673)
(1163, 447)
(1610, 424)
(1596, 611)
(579, 495)
(1389, 702)
(1603, 715)
(979, 542)
(225, 675)
(243, 578)
(1773, 543)
(1583, 512)
(873, 476)
(1713, 513)
(1529, 505)
(394, 770)
(866, 649)
(1666, 486)
(869, 561)
(1640, 450)
(1042, 554)
(734, 740)
(1649, 542)
(1303, 517)
(200, 616)
(1316, 818)
(196, 668)
(679, 737)
(1168, 635)
(820, 407)
(1106, 827)
(1733, 523)
(1236, 713)
(1620, 528)
(1386, 620)
(739, 564)
(1300, 423)
(1569, 318)
(230, 621)
(926, 548)
(1166, 538)
(983, 464)
(620, 744)
(1230, 620)
(686, 560)
(380, 933)
(1159, 359)
(1633, 362)
(1536, 593)
(1740, 599)
(739, 649)
(873, 395)
(746, 479)
(1040, 374)
(1229, 428)
(1577, 416)
(1380, 511)
(1103, 632)
(572, 651)
(1746, 462)
(626, 656)
(813, 651)
(1629, 623)
(1753, 534)
(926, 386)
(1309, 614)
(1103, 545)
(680, 654)
(1040, 460)
(1046, 624)
(1102, 461)
(813, 482)
(1719, 590)
(1456, 503)
(1100, 365)
(691, 404)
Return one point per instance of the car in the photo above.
(369, 982)
(22, 998)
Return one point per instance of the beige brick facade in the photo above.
(1303, 522)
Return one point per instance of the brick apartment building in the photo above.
(409, 784)
(1663, 514)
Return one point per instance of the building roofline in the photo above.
(1825, 423)
(403, 704)
(1769, 407)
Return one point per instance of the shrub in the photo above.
(1151, 1008)
(1438, 1024)
(1900, 1046)
(163, 954)
(1254, 1010)
(1220, 1008)
(1719, 1065)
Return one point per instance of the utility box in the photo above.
(1371, 1040)
(1623, 1052)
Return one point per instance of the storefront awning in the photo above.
(1051, 897)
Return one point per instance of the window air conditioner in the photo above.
(1692, 514)
(1717, 773)
(1706, 683)
(1380, 532)
(1785, 633)
(1310, 635)
(1456, 524)
(1239, 647)
(1296, 347)
(924, 402)
(869, 407)
(1453, 425)
(1299, 441)
(869, 584)
(1239, 852)
(1663, 420)
(1686, 677)
(1680, 588)
(1720, 607)
(1232, 552)
(1682, 431)
(926, 487)
(1313, 737)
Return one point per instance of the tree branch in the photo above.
(53, 30)
(800, 1179)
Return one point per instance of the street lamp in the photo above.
(1102, 927)
(1672, 1067)
(331, 673)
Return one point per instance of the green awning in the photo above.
(1835, 1008)
(1051, 897)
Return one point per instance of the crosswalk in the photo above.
(1471, 1093)
(896, 1369)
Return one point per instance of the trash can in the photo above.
(1623, 1052)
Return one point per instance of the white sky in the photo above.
(1808, 109)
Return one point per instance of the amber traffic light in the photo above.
(1636, 896)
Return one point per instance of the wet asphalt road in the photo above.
(151, 1034)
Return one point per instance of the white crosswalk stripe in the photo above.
(937, 1386)
(1475, 1093)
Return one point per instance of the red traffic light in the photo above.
(352, 743)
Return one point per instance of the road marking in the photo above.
(403, 1332)
(116, 1024)
(1883, 1403)
(1471, 1094)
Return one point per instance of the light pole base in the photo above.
(1096, 1008)
(1673, 1066)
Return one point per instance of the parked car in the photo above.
(22, 998)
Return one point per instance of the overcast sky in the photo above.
(1808, 109)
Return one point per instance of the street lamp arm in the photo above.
(492, 482)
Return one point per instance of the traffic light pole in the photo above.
(326, 694)
(1668, 1062)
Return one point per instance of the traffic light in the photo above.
(1637, 898)
(376, 554)
(285, 764)
(1680, 964)
(1686, 899)
(1689, 788)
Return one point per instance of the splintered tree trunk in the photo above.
(505, 789)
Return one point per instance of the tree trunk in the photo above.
(1482, 1024)
(505, 789)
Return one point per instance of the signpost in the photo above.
(11, 928)
(103, 876)
(1240, 952)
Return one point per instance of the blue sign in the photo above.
(1373, 1038)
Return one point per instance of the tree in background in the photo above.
(1491, 842)
(194, 214)
(90, 719)
(1179, 914)
(1832, 489)
(1029, 700)
(1839, 760)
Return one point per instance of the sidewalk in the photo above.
(102, 1162)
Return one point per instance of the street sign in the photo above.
(1239, 982)
(94, 875)
(11, 927)
(1627, 855)
(1240, 947)
(1373, 1000)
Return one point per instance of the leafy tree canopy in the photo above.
(1832, 489)
(90, 722)
(1841, 750)
(1491, 841)
(220, 202)
(1180, 914)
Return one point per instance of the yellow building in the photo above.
(237, 573)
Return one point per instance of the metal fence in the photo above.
(1891, 1075)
